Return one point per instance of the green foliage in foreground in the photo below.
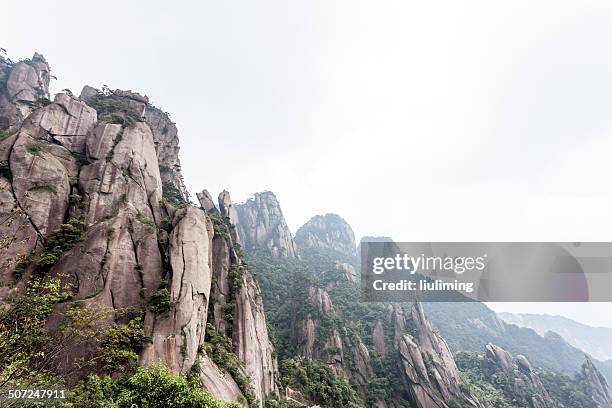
(320, 383)
(122, 344)
(148, 387)
(24, 340)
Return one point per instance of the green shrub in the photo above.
(219, 225)
(61, 242)
(173, 195)
(6, 133)
(35, 148)
(320, 383)
(24, 339)
(113, 109)
(160, 302)
(122, 344)
(148, 387)
(5, 170)
(22, 265)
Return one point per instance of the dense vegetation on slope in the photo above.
(320, 383)
(28, 350)
(354, 321)
(471, 325)
(499, 390)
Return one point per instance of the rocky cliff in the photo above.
(327, 232)
(261, 225)
(24, 86)
(526, 386)
(91, 192)
(596, 384)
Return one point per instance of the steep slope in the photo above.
(260, 224)
(596, 384)
(389, 357)
(237, 311)
(525, 385)
(597, 341)
(92, 195)
(470, 326)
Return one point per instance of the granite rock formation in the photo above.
(105, 167)
(327, 232)
(262, 226)
(527, 386)
(599, 389)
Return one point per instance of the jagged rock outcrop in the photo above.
(597, 385)
(237, 306)
(206, 201)
(176, 338)
(327, 232)
(163, 130)
(40, 174)
(105, 168)
(528, 388)
(426, 364)
(24, 86)
(262, 226)
(347, 355)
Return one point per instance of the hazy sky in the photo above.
(442, 121)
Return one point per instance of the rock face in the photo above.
(107, 165)
(597, 384)
(347, 355)
(163, 130)
(236, 293)
(327, 232)
(261, 225)
(426, 363)
(24, 86)
(176, 339)
(528, 388)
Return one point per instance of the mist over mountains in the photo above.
(597, 341)
(114, 284)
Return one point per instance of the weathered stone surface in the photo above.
(27, 83)
(62, 163)
(18, 237)
(528, 388)
(233, 285)
(127, 175)
(164, 133)
(221, 385)
(176, 338)
(227, 208)
(41, 181)
(220, 292)
(327, 232)
(597, 384)
(261, 225)
(206, 201)
(427, 365)
(250, 338)
(68, 121)
(378, 338)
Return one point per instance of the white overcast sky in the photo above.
(420, 120)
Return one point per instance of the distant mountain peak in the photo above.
(260, 224)
(330, 232)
